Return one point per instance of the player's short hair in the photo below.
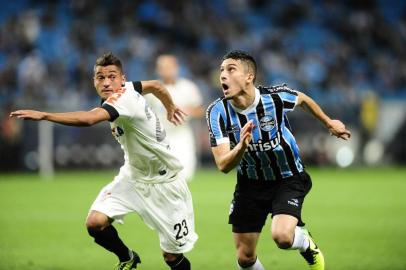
(243, 57)
(108, 59)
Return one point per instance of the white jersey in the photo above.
(147, 153)
(184, 94)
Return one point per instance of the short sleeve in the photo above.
(216, 122)
(111, 111)
(125, 103)
(137, 86)
(289, 98)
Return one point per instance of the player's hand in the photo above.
(337, 128)
(246, 133)
(176, 116)
(28, 115)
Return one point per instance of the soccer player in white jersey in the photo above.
(186, 95)
(149, 182)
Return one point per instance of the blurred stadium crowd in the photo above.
(335, 51)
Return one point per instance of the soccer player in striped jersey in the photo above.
(249, 130)
(149, 183)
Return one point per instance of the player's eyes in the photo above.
(112, 77)
(100, 78)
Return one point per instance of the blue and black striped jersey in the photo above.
(273, 153)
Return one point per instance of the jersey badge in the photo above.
(267, 123)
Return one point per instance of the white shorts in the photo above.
(165, 207)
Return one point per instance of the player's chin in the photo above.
(227, 95)
(105, 95)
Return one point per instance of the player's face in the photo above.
(167, 68)
(108, 80)
(234, 77)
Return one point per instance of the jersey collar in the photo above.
(250, 107)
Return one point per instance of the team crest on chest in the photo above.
(267, 122)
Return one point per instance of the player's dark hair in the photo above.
(108, 59)
(243, 57)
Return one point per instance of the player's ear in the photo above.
(250, 77)
(123, 78)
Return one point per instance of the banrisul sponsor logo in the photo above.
(266, 123)
(261, 146)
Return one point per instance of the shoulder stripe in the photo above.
(277, 89)
(112, 111)
(137, 86)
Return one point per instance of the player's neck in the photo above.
(245, 99)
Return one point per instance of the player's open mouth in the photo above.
(225, 86)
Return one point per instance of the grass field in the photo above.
(357, 216)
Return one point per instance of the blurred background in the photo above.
(349, 56)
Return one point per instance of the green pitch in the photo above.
(357, 217)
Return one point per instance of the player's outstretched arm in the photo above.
(175, 115)
(80, 118)
(227, 159)
(336, 127)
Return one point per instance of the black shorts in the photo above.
(254, 200)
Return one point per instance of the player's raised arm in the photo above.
(79, 118)
(336, 127)
(227, 159)
(175, 115)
